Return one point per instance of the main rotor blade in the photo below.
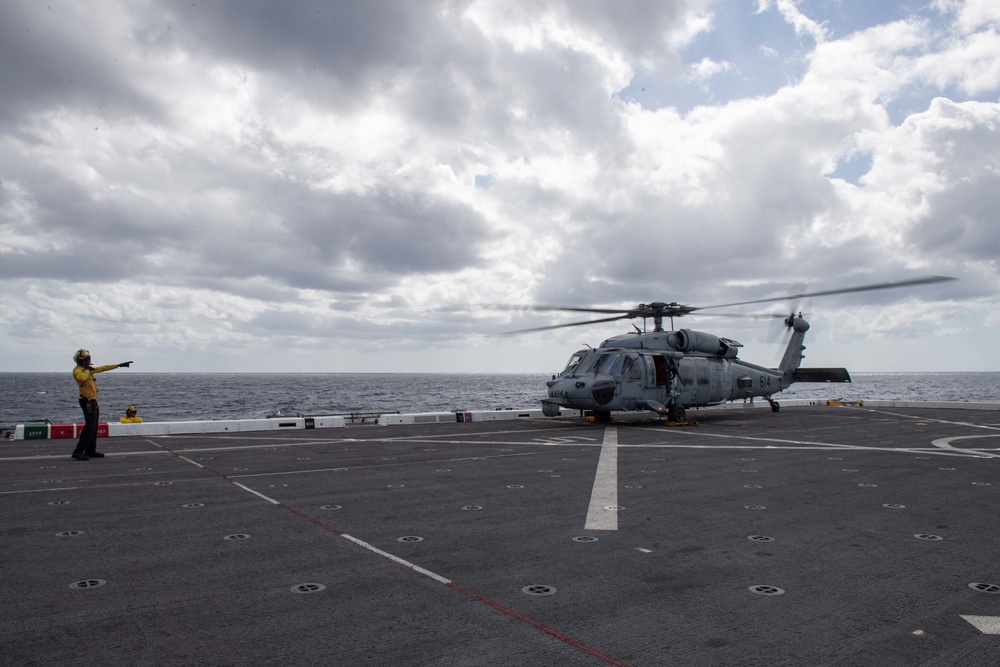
(628, 315)
(747, 316)
(926, 280)
(517, 307)
(568, 324)
(561, 308)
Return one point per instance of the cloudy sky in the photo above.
(270, 186)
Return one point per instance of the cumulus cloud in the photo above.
(706, 68)
(790, 11)
(221, 178)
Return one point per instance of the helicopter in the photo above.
(667, 372)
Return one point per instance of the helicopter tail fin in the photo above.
(793, 355)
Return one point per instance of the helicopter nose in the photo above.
(568, 388)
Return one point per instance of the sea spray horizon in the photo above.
(26, 397)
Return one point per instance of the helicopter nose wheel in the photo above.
(675, 413)
(774, 404)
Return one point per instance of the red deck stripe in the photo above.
(575, 643)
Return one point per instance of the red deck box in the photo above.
(102, 429)
(62, 431)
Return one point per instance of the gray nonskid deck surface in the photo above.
(424, 539)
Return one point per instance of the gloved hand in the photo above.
(125, 364)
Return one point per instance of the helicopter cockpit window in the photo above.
(574, 363)
(631, 367)
(608, 364)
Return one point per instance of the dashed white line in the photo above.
(396, 559)
(259, 495)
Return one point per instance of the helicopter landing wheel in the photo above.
(775, 407)
(603, 416)
(675, 413)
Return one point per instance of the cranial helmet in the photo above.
(81, 354)
(130, 411)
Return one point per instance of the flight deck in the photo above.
(849, 535)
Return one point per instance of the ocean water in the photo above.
(28, 397)
(191, 396)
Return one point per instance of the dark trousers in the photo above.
(91, 415)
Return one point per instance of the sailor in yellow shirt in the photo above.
(131, 416)
(84, 375)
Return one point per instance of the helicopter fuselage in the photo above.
(668, 371)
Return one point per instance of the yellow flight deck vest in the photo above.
(85, 378)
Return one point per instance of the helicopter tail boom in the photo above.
(794, 354)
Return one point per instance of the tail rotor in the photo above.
(781, 324)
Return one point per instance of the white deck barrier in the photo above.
(740, 405)
(112, 429)
(865, 403)
(460, 417)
